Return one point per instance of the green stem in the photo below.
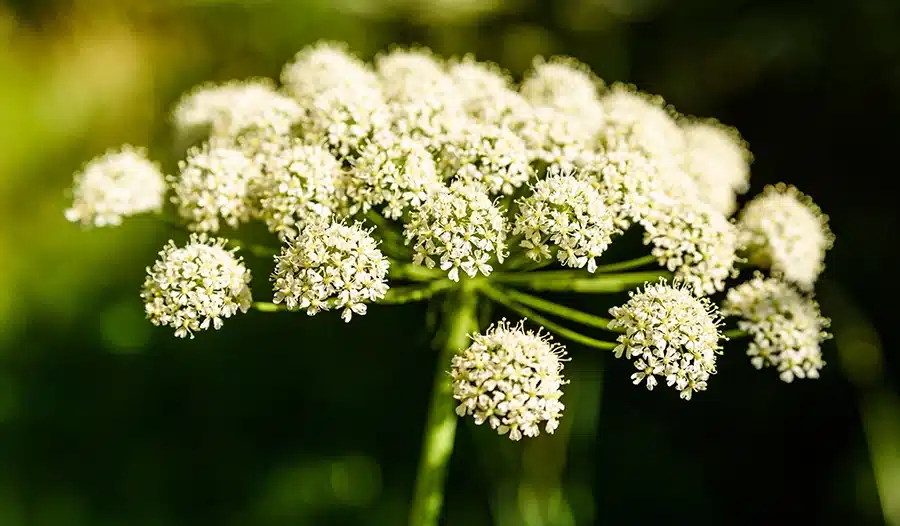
(556, 309)
(411, 293)
(256, 250)
(411, 272)
(568, 281)
(735, 333)
(266, 306)
(627, 265)
(587, 341)
(460, 319)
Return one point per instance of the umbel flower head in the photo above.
(565, 84)
(300, 184)
(194, 287)
(118, 184)
(669, 333)
(460, 227)
(568, 215)
(489, 154)
(331, 266)
(718, 160)
(787, 327)
(512, 379)
(214, 186)
(784, 230)
(236, 106)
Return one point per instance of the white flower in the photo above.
(331, 266)
(567, 85)
(460, 227)
(481, 86)
(718, 159)
(553, 136)
(784, 230)
(490, 154)
(787, 327)
(325, 66)
(512, 379)
(300, 184)
(636, 120)
(568, 215)
(235, 107)
(695, 241)
(670, 334)
(396, 173)
(118, 184)
(194, 287)
(214, 186)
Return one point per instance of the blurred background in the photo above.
(284, 420)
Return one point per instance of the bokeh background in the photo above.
(281, 419)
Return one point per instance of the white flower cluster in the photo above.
(510, 378)
(718, 160)
(118, 184)
(214, 186)
(787, 327)
(569, 215)
(671, 334)
(237, 106)
(461, 227)
(489, 154)
(331, 266)
(194, 287)
(784, 230)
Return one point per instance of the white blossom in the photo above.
(195, 287)
(214, 186)
(461, 228)
(783, 229)
(567, 85)
(786, 326)
(331, 266)
(325, 66)
(489, 154)
(718, 160)
(567, 215)
(670, 334)
(118, 184)
(512, 379)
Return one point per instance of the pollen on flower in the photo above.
(392, 173)
(786, 326)
(214, 186)
(237, 106)
(695, 241)
(195, 287)
(567, 215)
(669, 333)
(458, 229)
(512, 379)
(118, 184)
(488, 154)
(718, 160)
(783, 229)
(300, 184)
(331, 266)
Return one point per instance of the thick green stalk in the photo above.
(460, 320)
(569, 281)
(556, 309)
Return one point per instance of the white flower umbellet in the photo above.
(118, 184)
(512, 379)
(194, 287)
(331, 266)
(670, 334)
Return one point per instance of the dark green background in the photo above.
(282, 419)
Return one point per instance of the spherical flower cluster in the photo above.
(718, 160)
(784, 230)
(567, 214)
(460, 227)
(695, 241)
(331, 266)
(237, 106)
(479, 85)
(214, 186)
(194, 287)
(300, 184)
(512, 379)
(491, 155)
(565, 84)
(396, 173)
(553, 136)
(118, 184)
(325, 66)
(787, 327)
(669, 333)
(634, 120)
